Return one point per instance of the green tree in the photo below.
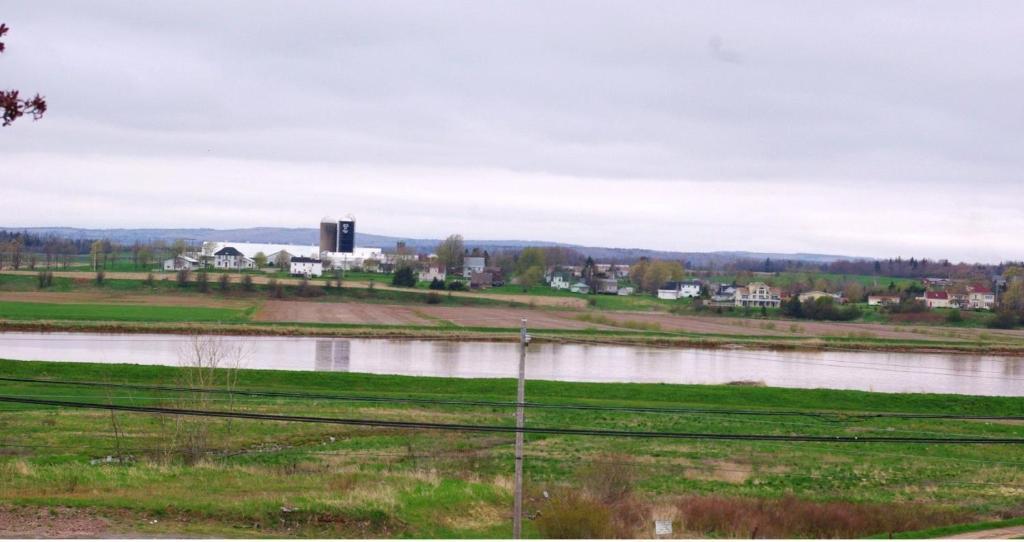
(95, 253)
(533, 276)
(529, 258)
(450, 253)
(178, 247)
(404, 277)
(202, 281)
(1013, 298)
(854, 291)
(658, 273)
(638, 270)
(793, 307)
(144, 257)
(261, 260)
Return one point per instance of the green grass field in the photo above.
(370, 482)
(119, 313)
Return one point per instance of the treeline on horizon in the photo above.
(57, 249)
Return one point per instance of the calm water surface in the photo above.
(872, 371)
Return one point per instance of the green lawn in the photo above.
(371, 482)
(15, 310)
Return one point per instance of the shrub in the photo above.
(150, 280)
(437, 284)
(182, 277)
(609, 479)
(790, 517)
(305, 289)
(571, 515)
(433, 298)
(100, 277)
(45, 279)
(457, 286)
(954, 317)
(1002, 320)
(224, 282)
(404, 277)
(202, 281)
(274, 289)
(247, 283)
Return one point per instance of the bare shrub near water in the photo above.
(604, 507)
(790, 517)
(207, 362)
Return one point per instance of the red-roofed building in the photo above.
(980, 297)
(936, 300)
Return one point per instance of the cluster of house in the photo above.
(942, 293)
(604, 280)
(755, 294)
(308, 261)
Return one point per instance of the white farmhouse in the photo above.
(678, 290)
(302, 266)
(231, 258)
(980, 297)
(560, 281)
(472, 264)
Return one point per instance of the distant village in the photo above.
(336, 253)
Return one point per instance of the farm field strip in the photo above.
(425, 483)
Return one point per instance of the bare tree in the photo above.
(208, 362)
(11, 102)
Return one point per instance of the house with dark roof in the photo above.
(301, 266)
(680, 289)
(231, 258)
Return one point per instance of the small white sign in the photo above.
(662, 527)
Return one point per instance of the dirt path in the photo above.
(538, 300)
(1002, 533)
(51, 522)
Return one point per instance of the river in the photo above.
(869, 371)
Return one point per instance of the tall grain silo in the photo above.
(328, 235)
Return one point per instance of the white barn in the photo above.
(180, 262)
(302, 266)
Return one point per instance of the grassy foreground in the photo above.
(254, 478)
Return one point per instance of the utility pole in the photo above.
(517, 512)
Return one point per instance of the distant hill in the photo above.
(308, 236)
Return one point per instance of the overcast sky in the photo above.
(861, 128)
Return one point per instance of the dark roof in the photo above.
(304, 259)
(228, 251)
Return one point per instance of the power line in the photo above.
(824, 415)
(506, 429)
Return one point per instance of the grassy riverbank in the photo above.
(287, 478)
(126, 305)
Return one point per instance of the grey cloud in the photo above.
(917, 96)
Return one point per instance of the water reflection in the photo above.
(332, 355)
(872, 371)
